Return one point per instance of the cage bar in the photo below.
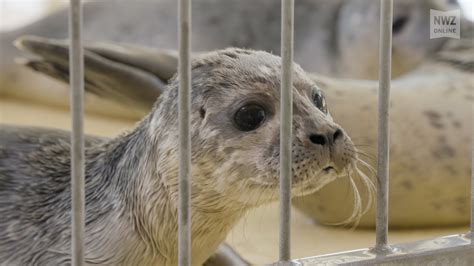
(286, 109)
(385, 54)
(471, 233)
(447, 250)
(76, 61)
(184, 71)
(450, 248)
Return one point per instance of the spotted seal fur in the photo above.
(431, 135)
(131, 180)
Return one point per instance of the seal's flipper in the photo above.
(161, 63)
(116, 73)
(61, 73)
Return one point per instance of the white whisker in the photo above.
(370, 190)
(368, 166)
(358, 209)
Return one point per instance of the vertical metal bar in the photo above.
(184, 70)
(77, 135)
(385, 54)
(286, 107)
(471, 233)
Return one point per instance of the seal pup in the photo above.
(131, 180)
(436, 97)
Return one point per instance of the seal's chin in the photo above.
(315, 183)
(302, 185)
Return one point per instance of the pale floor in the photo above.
(256, 236)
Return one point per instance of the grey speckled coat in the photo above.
(131, 181)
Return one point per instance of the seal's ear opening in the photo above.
(121, 72)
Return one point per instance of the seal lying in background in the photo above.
(430, 169)
(131, 180)
(332, 37)
(431, 135)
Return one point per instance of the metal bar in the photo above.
(77, 136)
(447, 250)
(472, 179)
(286, 109)
(184, 71)
(385, 54)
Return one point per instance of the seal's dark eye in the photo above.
(320, 102)
(249, 117)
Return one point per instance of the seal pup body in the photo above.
(131, 181)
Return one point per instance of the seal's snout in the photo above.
(328, 138)
(332, 141)
(329, 145)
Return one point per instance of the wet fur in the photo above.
(131, 180)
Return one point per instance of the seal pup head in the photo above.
(235, 131)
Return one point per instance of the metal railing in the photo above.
(286, 124)
(184, 71)
(471, 232)
(458, 248)
(76, 62)
(383, 155)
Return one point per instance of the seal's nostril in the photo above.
(318, 139)
(338, 134)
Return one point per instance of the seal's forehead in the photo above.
(238, 59)
(261, 62)
(246, 67)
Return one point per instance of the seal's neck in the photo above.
(148, 197)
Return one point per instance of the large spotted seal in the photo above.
(131, 181)
(431, 136)
(332, 37)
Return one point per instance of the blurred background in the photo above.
(16, 13)
(32, 10)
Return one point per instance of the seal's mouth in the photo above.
(333, 171)
(329, 170)
(304, 184)
(319, 180)
(323, 176)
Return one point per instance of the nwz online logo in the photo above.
(445, 24)
(445, 20)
